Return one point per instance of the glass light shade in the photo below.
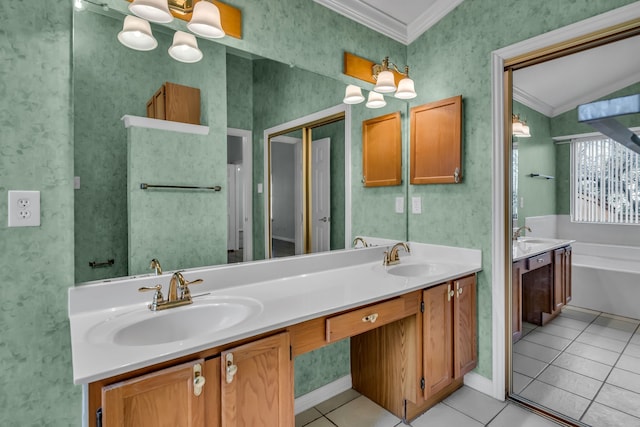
(136, 34)
(78, 5)
(376, 100)
(525, 131)
(385, 82)
(205, 21)
(516, 128)
(185, 48)
(152, 10)
(353, 95)
(406, 89)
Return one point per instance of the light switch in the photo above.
(416, 205)
(399, 205)
(259, 188)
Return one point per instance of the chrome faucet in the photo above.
(392, 257)
(178, 295)
(518, 233)
(360, 239)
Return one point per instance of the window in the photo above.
(605, 182)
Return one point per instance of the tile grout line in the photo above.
(608, 375)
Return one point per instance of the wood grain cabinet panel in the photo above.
(382, 151)
(450, 338)
(364, 319)
(176, 103)
(260, 394)
(161, 399)
(436, 142)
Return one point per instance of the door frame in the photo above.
(344, 109)
(501, 221)
(247, 190)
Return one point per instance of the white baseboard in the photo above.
(319, 395)
(481, 384)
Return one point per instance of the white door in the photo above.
(321, 195)
(232, 216)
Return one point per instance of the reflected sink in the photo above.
(142, 327)
(413, 270)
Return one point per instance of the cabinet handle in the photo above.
(198, 379)
(540, 260)
(370, 318)
(458, 289)
(232, 369)
(450, 292)
(456, 175)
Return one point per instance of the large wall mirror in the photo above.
(581, 365)
(239, 91)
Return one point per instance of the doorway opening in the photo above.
(239, 196)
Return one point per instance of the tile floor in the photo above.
(584, 364)
(464, 408)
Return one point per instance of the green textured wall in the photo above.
(567, 124)
(454, 57)
(161, 222)
(111, 80)
(239, 92)
(536, 155)
(37, 262)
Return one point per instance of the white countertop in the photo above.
(285, 291)
(526, 247)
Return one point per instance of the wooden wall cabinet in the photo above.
(436, 142)
(176, 103)
(382, 151)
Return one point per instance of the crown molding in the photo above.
(369, 17)
(429, 18)
(532, 102)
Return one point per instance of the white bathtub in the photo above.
(606, 278)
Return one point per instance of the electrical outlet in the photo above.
(416, 205)
(24, 208)
(400, 205)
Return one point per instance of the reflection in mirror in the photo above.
(110, 80)
(577, 357)
(307, 211)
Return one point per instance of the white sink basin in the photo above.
(413, 270)
(143, 327)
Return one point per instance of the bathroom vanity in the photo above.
(541, 281)
(412, 329)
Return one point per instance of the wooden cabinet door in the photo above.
(558, 279)
(438, 338)
(465, 348)
(436, 142)
(161, 399)
(567, 274)
(260, 393)
(159, 104)
(382, 151)
(516, 299)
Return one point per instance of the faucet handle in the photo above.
(157, 296)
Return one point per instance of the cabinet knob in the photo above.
(456, 175)
(198, 379)
(370, 318)
(232, 369)
(450, 293)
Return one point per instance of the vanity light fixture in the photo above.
(353, 95)
(385, 80)
(185, 48)
(78, 5)
(205, 21)
(375, 100)
(136, 34)
(152, 10)
(519, 127)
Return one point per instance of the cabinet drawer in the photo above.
(364, 319)
(538, 261)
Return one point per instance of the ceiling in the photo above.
(401, 20)
(560, 85)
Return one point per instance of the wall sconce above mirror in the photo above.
(386, 77)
